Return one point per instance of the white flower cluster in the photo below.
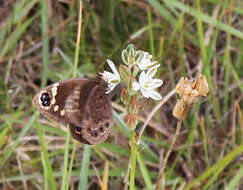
(147, 70)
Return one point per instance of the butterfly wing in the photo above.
(51, 100)
(81, 103)
(74, 107)
(95, 121)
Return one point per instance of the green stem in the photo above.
(65, 162)
(133, 159)
(75, 67)
(45, 41)
(83, 178)
(71, 165)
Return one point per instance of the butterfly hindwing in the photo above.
(100, 121)
(94, 121)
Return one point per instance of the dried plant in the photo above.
(189, 92)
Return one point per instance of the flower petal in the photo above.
(135, 86)
(154, 95)
(156, 66)
(111, 86)
(113, 68)
(150, 73)
(145, 62)
(145, 92)
(112, 79)
(142, 78)
(155, 83)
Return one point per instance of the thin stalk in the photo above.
(151, 37)
(83, 183)
(75, 67)
(45, 41)
(65, 164)
(83, 178)
(200, 33)
(66, 173)
(161, 173)
(71, 165)
(46, 157)
(205, 146)
(133, 159)
(227, 61)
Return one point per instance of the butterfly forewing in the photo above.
(56, 95)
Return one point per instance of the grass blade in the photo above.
(144, 172)
(236, 180)
(205, 18)
(14, 37)
(219, 165)
(71, 164)
(47, 163)
(17, 142)
(65, 164)
(201, 33)
(83, 178)
(3, 133)
(45, 41)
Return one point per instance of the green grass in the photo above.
(38, 46)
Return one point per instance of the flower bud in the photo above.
(138, 56)
(137, 137)
(124, 72)
(131, 50)
(133, 121)
(125, 98)
(134, 106)
(133, 69)
(125, 57)
(130, 89)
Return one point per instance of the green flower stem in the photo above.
(75, 67)
(133, 159)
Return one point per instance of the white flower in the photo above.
(112, 79)
(147, 84)
(146, 63)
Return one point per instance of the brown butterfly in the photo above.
(81, 103)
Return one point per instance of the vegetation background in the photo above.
(37, 47)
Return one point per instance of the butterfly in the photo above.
(82, 104)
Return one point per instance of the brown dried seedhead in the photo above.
(189, 93)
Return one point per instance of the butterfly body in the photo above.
(81, 103)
